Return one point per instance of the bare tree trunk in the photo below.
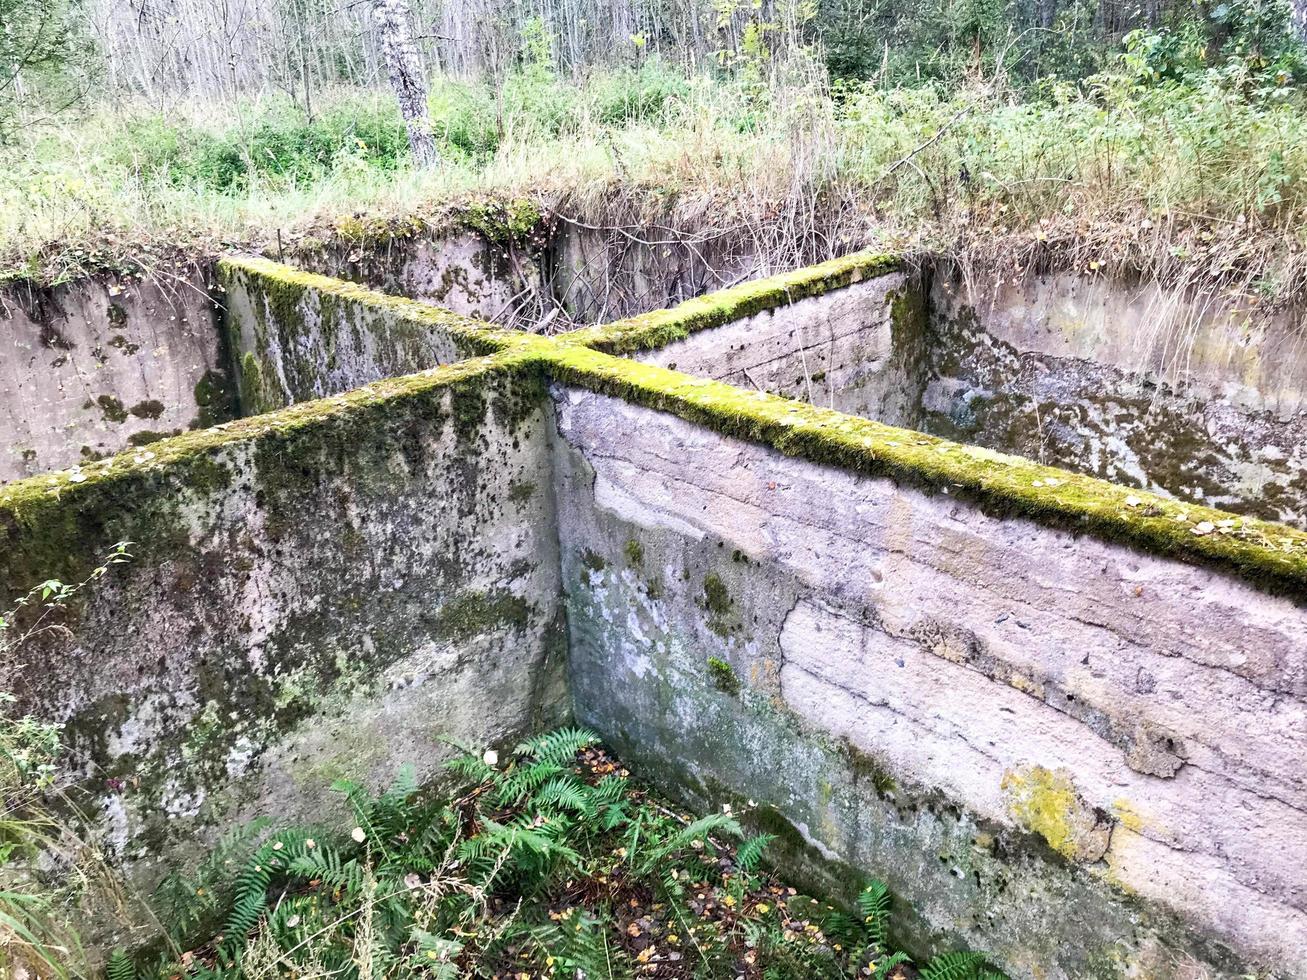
(406, 77)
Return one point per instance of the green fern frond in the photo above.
(885, 967)
(559, 747)
(523, 781)
(567, 794)
(120, 967)
(251, 898)
(326, 863)
(749, 854)
(874, 906)
(700, 830)
(954, 966)
(470, 767)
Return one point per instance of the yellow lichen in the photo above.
(1046, 803)
(1127, 816)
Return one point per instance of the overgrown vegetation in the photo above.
(1169, 145)
(553, 863)
(47, 864)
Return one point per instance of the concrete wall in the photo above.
(1065, 721)
(318, 593)
(1184, 396)
(859, 349)
(457, 269)
(1082, 759)
(599, 274)
(1188, 396)
(89, 368)
(298, 336)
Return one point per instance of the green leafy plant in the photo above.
(35, 935)
(551, 862)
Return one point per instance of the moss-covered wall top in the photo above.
(296, 335)
(1272, 555)
(649, 331)
(318, 592)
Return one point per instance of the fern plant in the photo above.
(553, 863)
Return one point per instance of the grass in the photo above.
(1176, 181)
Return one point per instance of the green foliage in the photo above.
(120, 967)
(648, 94)
(45, 55)
(1245, 45)
(35, 935)
(531, 865)
(874, 906)
(956, 966)
(749, 854)
(284, 147)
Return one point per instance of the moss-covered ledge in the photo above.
(51, 524)
(649, 331)
(1271, 556)
(285, 286)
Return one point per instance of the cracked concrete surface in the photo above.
(1158, 706)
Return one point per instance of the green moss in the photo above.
(716, 598)
(151, 408)
(469, 407)
(650, 331)
(213, 399)
(634, 552)
(723, 676)
(285, 288)
(118, 340)
(111, 409)
(594, 561)
(1044, 802)
(520, 491)
(51, 524)
(144, 438)
(502, 222)
(1271, 555)
(251, 383)
(865, 766)
(717, 601)
(472, 614)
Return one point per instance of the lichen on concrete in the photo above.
(1270, 554)
(887, 640)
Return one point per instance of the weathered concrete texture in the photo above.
(1181, 396)
(325, 596)
(857, 350)
(504, 272)
(1084, 760)
(296, 339)
(458, 270)
(601, 274)
(91, 368)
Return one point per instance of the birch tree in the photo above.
(407, 77)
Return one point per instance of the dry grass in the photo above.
(1195, 188)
